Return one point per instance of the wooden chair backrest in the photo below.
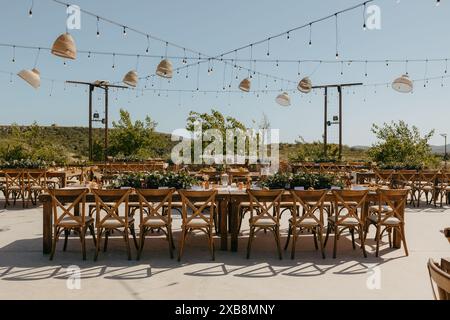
(396, 200)
(427, 176)
(14, 178)
(407, 175)
(384, 175)
(441, 279)
(154, 201)
(190, 200)
(311, 201)
(342, 199)
(76, 198)
(36, 177)
(109, 202)
(265, 200)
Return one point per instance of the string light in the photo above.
(337, 36)
(438, 2)
(364, 17)
(148, 44)
(30, 12)
(114, 61)
(268, 47)
(310, 34)
(124, 31)
(14, 54)
(98, 27)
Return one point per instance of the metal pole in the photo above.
(340, 122)
(325, 124)
(106, 124)
(91, 88)
(445, 151)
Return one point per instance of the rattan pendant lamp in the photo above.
(245, 85)
(305, 85)
(64, 47)
(33, 76)
(131, 78)
(165, 68)
(283, 99)
(403, 84)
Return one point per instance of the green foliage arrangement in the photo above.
(155, 180)
(401, 146)
(306, 180)
(25, 164)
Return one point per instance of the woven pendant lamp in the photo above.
(283, 99)
(131, 78)
(402, 84)
(165, 69)
(305, 85)
(245, 85)
(33, 77)
(64, 47)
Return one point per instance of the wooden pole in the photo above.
(340, 122)
(325, 123)
(91, 89)
(106, 124)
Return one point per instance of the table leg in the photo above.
(47, 227)
(234, 226)
(223, 207)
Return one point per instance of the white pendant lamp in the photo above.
(403, 84)
(131, 78)
(32, 77)
(245, 85)
(305, 85)
(64, 47)
(165, 69)
(283, 99)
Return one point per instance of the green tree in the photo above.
(134, 139)
(213, 120)
(401, 145)
(313, 151)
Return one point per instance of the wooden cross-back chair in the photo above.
(35, 184)
(406, 179)
(387, 215)
(346, 216)
(198, 212)
(439, 279)
(442, 188)
(155, 214)
(312, 203)
(262, 202)
(70, 217)
(110, 218)
(14, 186)
(384, 177)
(426, 185)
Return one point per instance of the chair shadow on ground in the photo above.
(22, 260)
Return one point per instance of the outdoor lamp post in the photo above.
(444, 135)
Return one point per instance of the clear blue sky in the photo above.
(410, 29)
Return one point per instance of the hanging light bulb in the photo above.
(30, 12)
(98, 28)
(64, 47)
(124, 31)
(283, 99)
(245, 85)
(403, 84)
(438, 2)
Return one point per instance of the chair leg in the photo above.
(378, 238)
(182, 240)
(99, 241)
(288, 237)
(250, 239)
(321, 242)
(105, 247)
(92, 231)
(211, 243)
(141, 242)
(127, 242)
(327, 235)
(55, 238)
(363, 246)
(83, 241)
(402, 234)
(66, 237)
(352, 232)
(277, 239)
(294, 242)
(336, 229)
(170, 240)
(315, 239)
(133, 233)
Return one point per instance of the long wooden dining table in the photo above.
(228, 200)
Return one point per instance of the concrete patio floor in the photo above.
(25, 273)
